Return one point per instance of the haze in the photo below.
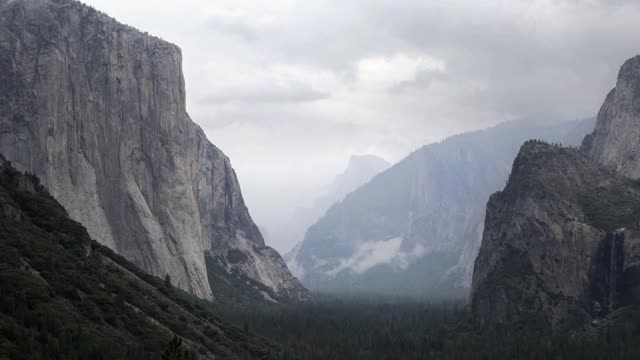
(289, 90)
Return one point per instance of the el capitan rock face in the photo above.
(97, 110)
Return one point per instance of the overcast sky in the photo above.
(290, 89)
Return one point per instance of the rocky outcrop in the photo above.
(555, 250)
(559, 245)
(416, 228)
(97, 110)
(614, 141)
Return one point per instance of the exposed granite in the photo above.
(551, 254)
(615, 141)
(97, 110)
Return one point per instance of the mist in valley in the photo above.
(319, 179)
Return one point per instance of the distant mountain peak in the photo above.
(367, 160)
(359, 170)
(431, 204)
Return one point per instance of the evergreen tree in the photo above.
(175, 350)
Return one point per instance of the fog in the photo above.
(289, 90)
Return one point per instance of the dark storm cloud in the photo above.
(535, 62)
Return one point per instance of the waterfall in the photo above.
(616, 265)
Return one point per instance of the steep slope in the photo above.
(97, 110)
(286, 210)
(551, 251)
(65, 296)
(561, 242)
(416, 228)
(360, 170)
(614, 141)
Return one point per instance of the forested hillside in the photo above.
(65, 296)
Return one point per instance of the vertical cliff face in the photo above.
(560, 244)
(537, 245)
(97, 110)
(614, 141)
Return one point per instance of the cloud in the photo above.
(388, 72)
(291, 89)
(420, 82)
(374, 253)
(368, 255)
(233, 25)
(277, 93)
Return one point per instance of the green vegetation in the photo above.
(236, 289)
(67, 297)
(175, 351)
(613, 206)
(236, 256)
(363, 328)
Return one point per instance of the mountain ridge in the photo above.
(570, 218)
(424, 201)
(360, 170)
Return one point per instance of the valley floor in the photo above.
(335, 327)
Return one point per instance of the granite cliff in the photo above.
(554, 248)
(614, 141)
(96, 109)
(65, 296)
(560, 246)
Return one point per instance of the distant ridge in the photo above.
(415, 228)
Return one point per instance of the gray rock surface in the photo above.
(537, 247)
(416, 227)
(615, 140)
(97, 110)
(360, 170)
(559, 245)
(557, 249)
